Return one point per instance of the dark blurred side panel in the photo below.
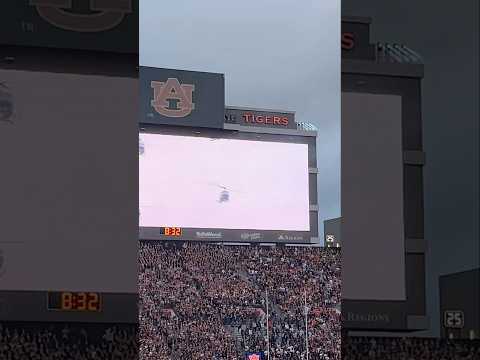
(382, 184)
(68, 140)
(427, 55)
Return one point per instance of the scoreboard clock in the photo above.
(171, 231)
(74, 301)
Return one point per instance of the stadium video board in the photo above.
(212, 185)
(67, 186)
(65, 220)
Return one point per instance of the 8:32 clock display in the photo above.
(74, 301)
(171, 231)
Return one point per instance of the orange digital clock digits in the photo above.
(172, 231)
(66, 301)
(80, 301)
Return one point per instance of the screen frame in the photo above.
(30, 305)
(409, 314)
(244, 235)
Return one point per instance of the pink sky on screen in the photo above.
(181, 180)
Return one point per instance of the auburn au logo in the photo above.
(105, 14)
(172, 99)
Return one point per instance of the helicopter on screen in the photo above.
(225, 193)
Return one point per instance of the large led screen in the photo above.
(68, 188)
(373, 237)
(218, 183)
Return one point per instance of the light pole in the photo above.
(268, 336)
(306, 324)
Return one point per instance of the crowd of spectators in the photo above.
(77, 341)
(206, 301)
(408, 348)
(61, 341)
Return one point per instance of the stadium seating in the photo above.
(72, 341)
(396, 348)
(203, 301)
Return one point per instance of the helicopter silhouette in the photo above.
(225, 193)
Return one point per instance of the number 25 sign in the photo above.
(453, 319)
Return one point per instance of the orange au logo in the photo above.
(172, 99)
(102, 14)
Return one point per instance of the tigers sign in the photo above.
(181, 98)
(260, 118)
(355, 39)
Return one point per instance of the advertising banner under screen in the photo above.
(217, 185)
